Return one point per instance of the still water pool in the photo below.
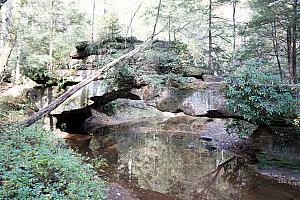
(179, 165)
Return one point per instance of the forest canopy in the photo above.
(221, 34)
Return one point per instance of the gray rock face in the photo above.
(192, 102)
(200, 102)
(43, 96)
(170, 100)
(75, 76)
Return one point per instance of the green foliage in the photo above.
(103, 60)
(188, 20)
(34, 33)
(41, 75)
(168, 56)
(243, 128)
(166, 61)
(267, 33)
(123, 75)
(110, 108)
(112, 28)
(35, 164)
(255, 47)
(259, 97)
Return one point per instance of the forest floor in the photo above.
(5, 87)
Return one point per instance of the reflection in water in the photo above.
(176, 164)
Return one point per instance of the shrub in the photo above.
(41, 75)
(110, 108)
(168, 56)
(260, 97)
(165, 61)
(35, 164)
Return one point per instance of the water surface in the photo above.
(178, 165)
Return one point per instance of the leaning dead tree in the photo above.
(132, 18)
(2, 2)
(54, 104)
(215, 174)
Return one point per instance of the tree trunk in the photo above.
(294, 43)
(93, 20)
(51, 35)
(5, 46)
(105, 7)
(234, 33)
(54, 104)
(169, 28)
(156, 21)
(210, 67)
(276, 49)
(174, 35)
(17, 40)
(289, 50)
(18, 66)
(131, 20)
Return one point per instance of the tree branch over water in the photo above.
(216, 173)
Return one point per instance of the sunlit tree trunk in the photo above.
(18, 64)
(169, 28)
(93, 20)
(132, 18)
(51, 35)
(210, 36)
(131, 21)
(18, 40)
(5, 46)
(156, 20)
(174, 34)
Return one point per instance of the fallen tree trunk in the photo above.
(2, 2)
(54, 104)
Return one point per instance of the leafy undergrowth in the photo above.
(36, 164)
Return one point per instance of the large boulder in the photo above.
(195, 102)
